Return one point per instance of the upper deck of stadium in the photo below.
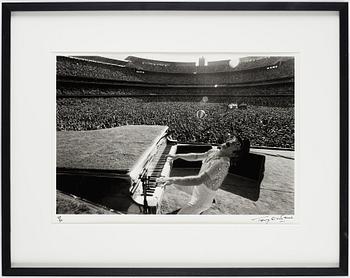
(250, 70)
(222, 66)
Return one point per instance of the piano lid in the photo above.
(112, 149)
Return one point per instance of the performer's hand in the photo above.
(172, 156)
(162, 181)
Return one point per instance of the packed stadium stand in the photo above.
(143, 72)
(96, 92)
(160, 66)
(102, 60)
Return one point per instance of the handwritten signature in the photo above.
(273, 219)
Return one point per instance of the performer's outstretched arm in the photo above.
(186, 181)
(189, 156)
(216, 169)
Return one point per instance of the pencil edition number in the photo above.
(59, 218)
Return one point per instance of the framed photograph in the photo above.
(174, 139)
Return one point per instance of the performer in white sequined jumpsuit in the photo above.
(203, 187)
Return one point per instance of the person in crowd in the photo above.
(215, 166)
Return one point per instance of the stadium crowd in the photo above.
(211, 67)
(260, 62)
(142, 96)
(72, 67)
(160, 66)
(264, 126)
(279, 89)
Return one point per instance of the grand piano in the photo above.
(117, 167)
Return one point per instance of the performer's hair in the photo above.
(245, 146)
(242, 153)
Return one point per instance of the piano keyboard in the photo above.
(160, 166)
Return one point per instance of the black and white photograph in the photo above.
(166, 127)
(175, 133)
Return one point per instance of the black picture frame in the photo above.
(9, 8)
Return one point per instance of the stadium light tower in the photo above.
(201, 62)
(234, 62)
